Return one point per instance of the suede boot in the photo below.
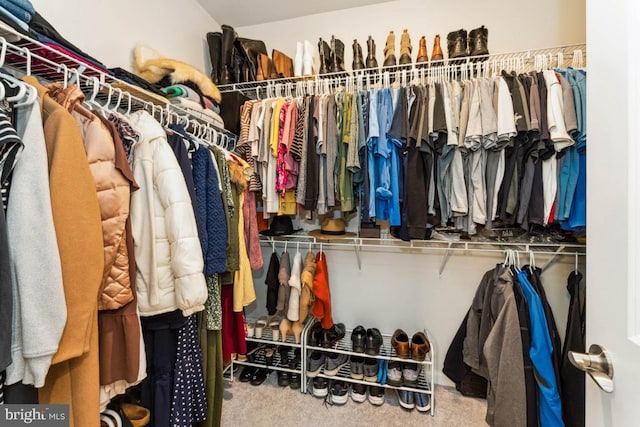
(226, 54)
(405, 48)
(325, 57)
(214, 40)
(478, 41)
(422, 51)
(358, 60)
(372, 62)
(457, 44)
(436, 53)
(390, 50)
(337, 55)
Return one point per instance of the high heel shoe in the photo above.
(296, 329)
(285, 329)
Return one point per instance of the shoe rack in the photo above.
(425, 383)
(259, 358)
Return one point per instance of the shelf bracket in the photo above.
(552, 259)
(445, 258)
(356, 248)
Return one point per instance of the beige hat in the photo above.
(332, 229)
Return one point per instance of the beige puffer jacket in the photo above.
(113, 197)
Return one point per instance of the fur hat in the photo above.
(155, 69)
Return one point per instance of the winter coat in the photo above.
(168, 250)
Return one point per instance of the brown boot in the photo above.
(372, 62)
(358, 60)
(422, 51)
(478, 39)
(405, 48)
(436, 53)
(390, 50)
(457, 44)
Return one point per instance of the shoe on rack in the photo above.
(358, 59)
(423, 56)
(436, 53)
(405, 399)
(410, 374)
(283, 351)
(315, 363)
(382, 373)
(394, 373)
(325, 56)
(400, 343)
(307, 59)
(331, 336)
(247, 374)
(373, 342)
(478, 39)
(372, 62)
(259, 376)
(376, 395)
(422, 401)
(357, 367)
(333, 362)
(337, 55)
(339, 392)
(297, 61)
(320, 387)
(390, 50)
(295, 381)
(269, 352)
(405, 48)
(457, 44)
(294, 377)
(370, 369)
(284, 379)
(314, 336)
(420, 346)
(358, 339)
(358, 392)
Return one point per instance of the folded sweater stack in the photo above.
(190, 99)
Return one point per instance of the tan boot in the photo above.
(405, 48)
(285, 329)
(390, 50)
(422, 51)
(436, 53)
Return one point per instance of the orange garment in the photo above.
(322, 305)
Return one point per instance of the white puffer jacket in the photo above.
(168, 253)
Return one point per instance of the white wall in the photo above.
(513, 26)
(109, 29)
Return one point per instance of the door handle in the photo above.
(597, 363)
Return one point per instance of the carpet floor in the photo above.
(269, 405)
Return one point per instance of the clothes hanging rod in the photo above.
(528, 57)
(27, 55)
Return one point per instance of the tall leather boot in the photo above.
(457, 44)
(422, 51)
(214, 40)
(297, 61)
(226, 54)
(390, 50)
(478, 41)
(337, 55)
(358, 60)
(325, 57)
(436, 53)
(405, 48)
(307, 59)
(372, 62)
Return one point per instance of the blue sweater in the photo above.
(213, 226)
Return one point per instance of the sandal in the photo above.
(251, 328)
(261, 323)
(274, 325)
(268, 355)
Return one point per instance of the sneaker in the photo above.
(422, 401)
(370, 370)
(358, 392)
(320, 387)
(284, 379)
(333, 363)
(405, 399)
(394, 373)
(357, 367)
(410, 372)
(339, 392)
(315, 363)
(376, 395)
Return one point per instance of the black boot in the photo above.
(226, 54)
(325, 57)
(333, 335)
(337, 55)
(358, 60)
(372, 62)
(214, 40)
(457, 44)
(478, 41)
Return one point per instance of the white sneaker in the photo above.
(358, 392)
(376, 395)
(422, 401)
(297, 62)
(307, 58)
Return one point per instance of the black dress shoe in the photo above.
(333, 335)
(373, 342)
(358, 338)
(314, 336)
(259, 376)
(247, 374)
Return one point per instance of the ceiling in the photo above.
(241, 13)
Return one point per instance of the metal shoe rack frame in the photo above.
(26, 56)
(442, 70)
